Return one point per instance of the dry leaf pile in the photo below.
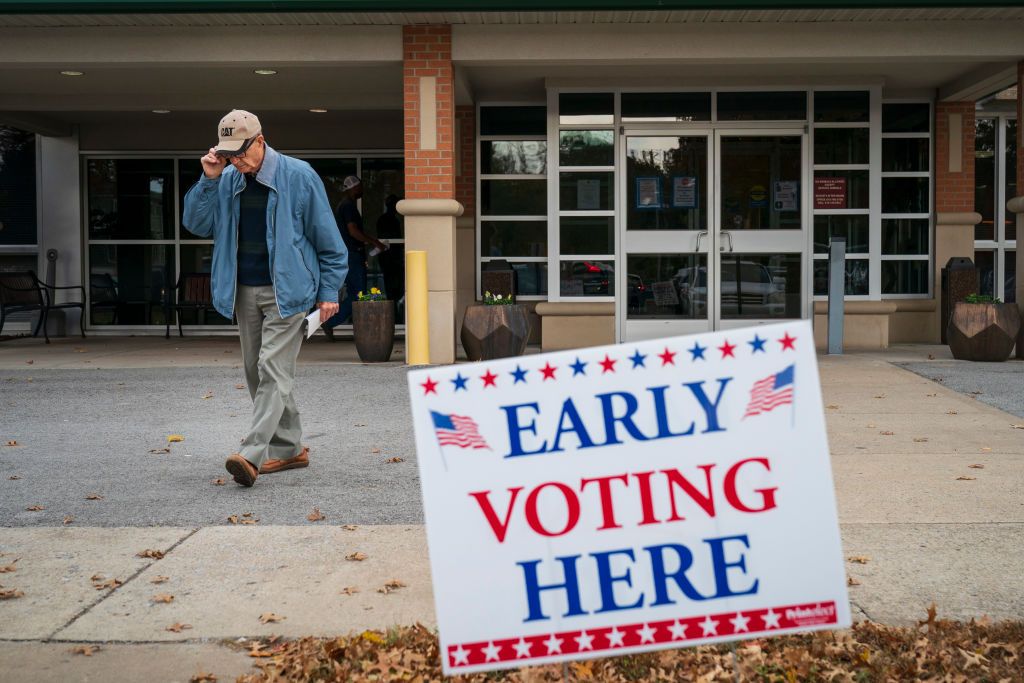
(933, 650)
(356, 557)
(86, 650)
(10, 593)
(316, 515)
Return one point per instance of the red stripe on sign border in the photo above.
(609, 639)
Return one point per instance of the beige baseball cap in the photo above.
(234, 129)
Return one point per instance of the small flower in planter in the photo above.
(981, 299)
(498, 299)
(374, 295)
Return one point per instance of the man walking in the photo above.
(276, 253)
(350, 223)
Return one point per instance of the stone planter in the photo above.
(373, 326)
(490, 332)
(983, 332)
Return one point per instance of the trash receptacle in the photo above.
(959, 279)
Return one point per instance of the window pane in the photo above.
(842, 106)
(587, 278)
(586, 108)
(661, 106)
(585, 191)
(513, 238)
(841, 146)
(905, 154)
(332, 172)
(382, 178)
(905, 195)
(1010, 276)
(514, 156)
(760, 286)
(531, 278)
(899, 117)
(189, 172)
(857, 280)
(666, 183)
(1010, 231)
(905, 236)
(131, 198)
(513, 197)
(841, 189)
(905, 277)
(128, 283)
(664, 286)
(853, 228)
(586, 235)
(762, 106)
(513, 121)
(985, 177)
(586, 148)
(760, 182)
(197, 258)
(985, 262)
(17, 187)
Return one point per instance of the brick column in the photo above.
(955, 216)
(429, 205)
(1016, 204)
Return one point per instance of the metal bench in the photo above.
(23, 291)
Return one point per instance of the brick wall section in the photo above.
(954, 192)
(427, 51)
(465, 182)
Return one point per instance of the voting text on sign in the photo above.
(626, 498)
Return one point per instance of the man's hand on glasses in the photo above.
(213, 164)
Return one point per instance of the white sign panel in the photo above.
(627, 498)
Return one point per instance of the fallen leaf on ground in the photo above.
(219, 481)
(29, 362)
(390, 586)
(178, 628)
(239, 386)
(850, 581)
(203, 677)
(247, 514)
(985, 449)
(271, 618)
(96, 577)
(966, 478)
(68, 519)
(349, 590)
(356, 557)
(109, 584)
(976, 393)
(154, 554)
(94, 496)
(950, 412)
(10, 594)
(7, 569)
(86, 650)
(233, 519)
(175, 438)
(34, 508)
(163, 597)
(208, 394)
(880, 396)
(931, 395)
(832, 406)
(872, 425)
(12, 442)
(886, 433)
(316, 515)
(931, 357)
(1017, 426)
(375, 450)
(159, 450)
(360, 424)
(349, 527)
(249, 521)
(859, 559)
(160, 579)
(394, 460)
(977, 466)
(14, 477)
(258, 651)
(921, 439)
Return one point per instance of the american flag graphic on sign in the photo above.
(771, 392)
(457, 430)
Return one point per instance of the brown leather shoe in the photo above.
(242, 470)
(300, 460)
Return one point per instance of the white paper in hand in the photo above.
(312, 323)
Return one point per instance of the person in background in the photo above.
(350, 223)
(276, 253)
(392, 261)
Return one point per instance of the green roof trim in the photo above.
(198, 6)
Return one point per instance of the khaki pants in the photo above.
(270, 346)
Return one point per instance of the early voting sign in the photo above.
(627, 498)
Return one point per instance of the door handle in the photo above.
(702, 233)
(727, 234)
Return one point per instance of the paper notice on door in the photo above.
(312, 323)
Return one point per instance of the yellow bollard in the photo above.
(417, 318)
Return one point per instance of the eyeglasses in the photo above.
(242, 151)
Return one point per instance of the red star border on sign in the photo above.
(727, 349)
(548, 371)
(788, 342)
(667, 357)
(489, 379)
(608, 364)
(429, 387)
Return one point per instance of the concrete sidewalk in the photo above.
(900, 444)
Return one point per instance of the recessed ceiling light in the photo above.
(161, 111)
(71, 73)
(264, 72)
(318, 111)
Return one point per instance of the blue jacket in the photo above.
(308, 260)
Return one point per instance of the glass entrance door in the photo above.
(760, 222)
(667, 241)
